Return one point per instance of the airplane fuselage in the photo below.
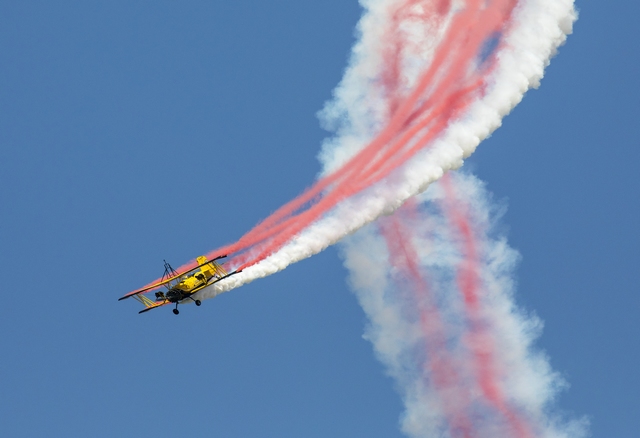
(176, 295)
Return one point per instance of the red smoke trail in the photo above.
(479, 339)
(354, 166)
(295, 224)
(488, 20)
(441, 367)
(376, 170)
(444, 90)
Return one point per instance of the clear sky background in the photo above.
(137, 131)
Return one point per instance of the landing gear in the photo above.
(198, 302)
(176, 311)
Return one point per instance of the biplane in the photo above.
(181, 286)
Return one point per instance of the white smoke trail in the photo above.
(540, 27)
(527, 379)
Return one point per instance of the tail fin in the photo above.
(211, 269)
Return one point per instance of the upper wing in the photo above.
(167, 280)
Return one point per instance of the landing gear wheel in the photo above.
(176, 311)
(198, 302)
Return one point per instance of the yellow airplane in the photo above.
(181, 286)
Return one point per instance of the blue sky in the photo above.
(132, 132)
